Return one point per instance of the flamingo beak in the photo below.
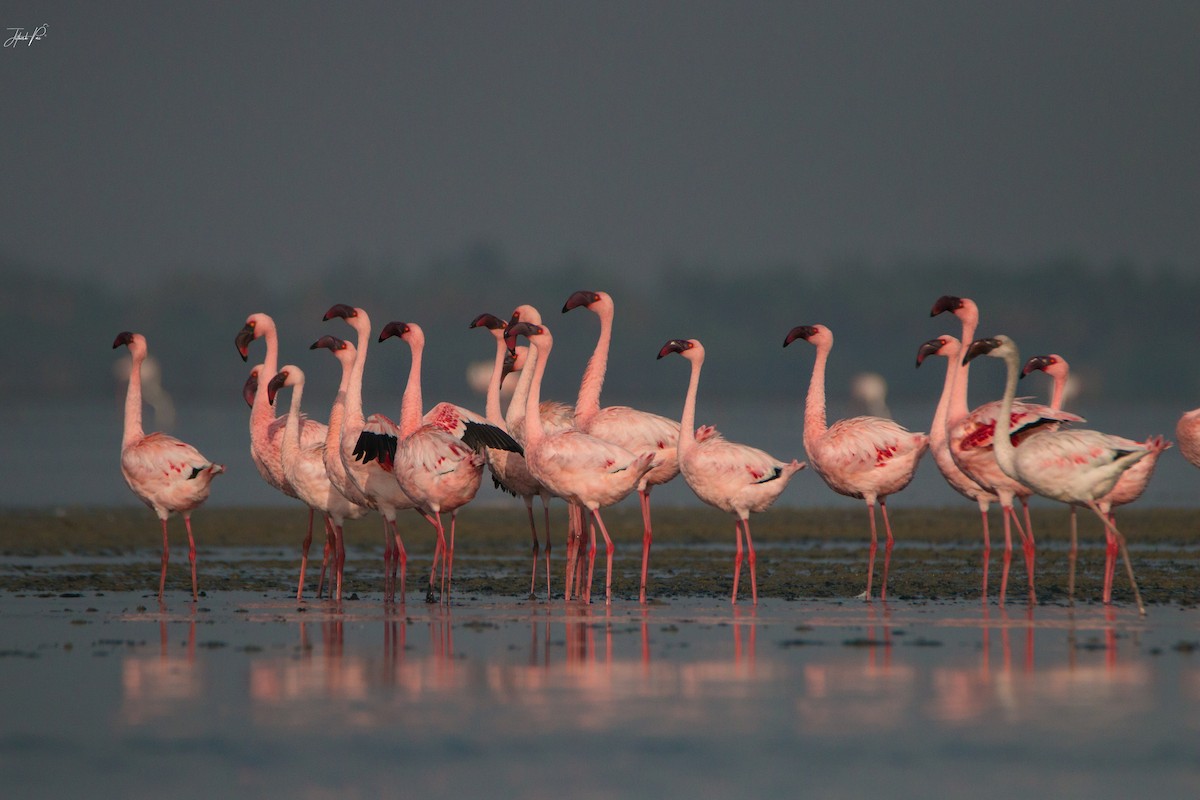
(674, 346)
(799, 332)
(243, 339)
(946, 302)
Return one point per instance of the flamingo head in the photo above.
(408, 331)
(290, 375)
(817, 335)
(691, 349)
(583, 298)
(1052, 364)
(994, 346)
(134, 341)
(341, 311)
(489, 321)
(250, 387)
(343, 350)
(527, 329)
(941, 346)
(526, 313)
(256, 326)
(962, 307)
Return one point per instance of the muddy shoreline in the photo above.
(802, 553)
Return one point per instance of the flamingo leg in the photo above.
(330, 547)
(546, 514)
(162, 578)
(871, 552)
(304, 546)
(647, 537)
(1124, 554)
(737, 557)
(1110, 558)
(339, 558)
(187, 523)
(753, 559)
(387, 560)
(448, 563)
(1072, 554)
(536, 548)
(987, 549)
(609, 549)
(400, 557)
(887, 549)
(591, 559)
(439, 551)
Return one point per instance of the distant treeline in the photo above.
(1128, 333)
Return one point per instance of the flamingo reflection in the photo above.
(158, 686)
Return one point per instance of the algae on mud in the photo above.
(802, 553)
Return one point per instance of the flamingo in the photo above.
(166, 474)
(971, 436)
(1071, 465)
(864, 457)
(509, 469)
(376, 484)
(304, 467)
(635, 430)
(555, 416)
(735, 478)
(586, 470)
(266, 430)
(439, 471)
(346, 354)
(939, 442)
(1129, 486)
(1187, 432)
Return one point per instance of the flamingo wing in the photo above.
(636, 431)
(860, 444)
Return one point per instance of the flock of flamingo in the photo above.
(432, 461)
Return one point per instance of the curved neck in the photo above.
(271, 363)
(814, 405)
(133, 404)
(937, 431)
(533, 418)
(957, 407)
(291, 432)
(687, 423)
(1002, 441)
(516, 404)
(1060, 387)
(354, 408)
(337, 413)
(410, 403)
(492, 407)
(587, 405)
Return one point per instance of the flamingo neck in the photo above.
(337, 413)
(1060, 388)
(814, 405)
(291, 432)
(588, 403)
(1002, 440)
(410, 403)
(133, 404)
(516, 404)
(492, 407)
(938, 437)
(354, 418)
(534, 432)
(957, 408)
(262, 414)
(687, 423)
(271, 362)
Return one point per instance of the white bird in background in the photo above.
(509, 469)
(1071, 465)
(373, 481)
(864, 457)
(636, 431)
(735, 478)
(585, 470)
(166, 474)
(939, 441)
(1129, 487)
(266, 430)
(304, 466)
(868, 390)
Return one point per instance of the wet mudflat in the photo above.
(249, 692)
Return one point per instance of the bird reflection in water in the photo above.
(158, 686)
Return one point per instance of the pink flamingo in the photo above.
(304, 467)
(634, 430)
(1187, 432)
(509, 469)
(588, 471)
(375, 482)
(939, 442)
(1129, 487)
(864, 457)
(735, 478)
(266, 430)
(166, 474)
(439, 471)
(972, 433)
(1071, 465)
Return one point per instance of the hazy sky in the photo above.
(283, 137)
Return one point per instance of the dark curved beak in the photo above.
(510, 365)
(339, 310)
(489, 321)
(393, 329)
(928, 349)
(250, 388)
(123, 338)
(275, 385)
(673, 346)
(329, 343)
(519, 329)
(243, 339)
(799, 332)
(580, 299)
(1035, 364)
(946, 302)
(981, 347)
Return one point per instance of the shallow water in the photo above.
(249, 694)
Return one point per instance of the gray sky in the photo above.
(283, 137)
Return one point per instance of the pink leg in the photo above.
(304, 546)
(449, 562)
(187, 522)
(330, 547)
(887, 549)
(569, 580)
(753, 559)
(546, 513)
(162, 579)
(1072, 554)
(439, 551)
(1010, 516)
(1137, 595)
(1029, 549)
(536, 548)
(874, 547)
(737, 557)
(388, 554)
(609, 551)
(339, 558)
(1110, 559)
(987, 550)
(591, 559)
(647, 537)
(399, 563)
